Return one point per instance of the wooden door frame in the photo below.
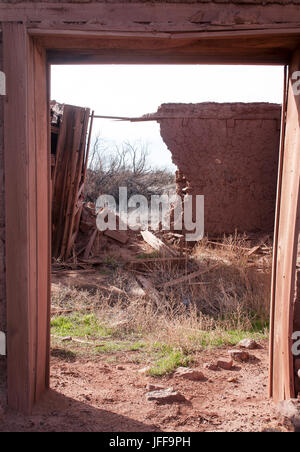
(26, 217)
(27, 54)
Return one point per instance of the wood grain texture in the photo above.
(276, 228)
(282, 368)
(68, 179)
(26, 218)
(235, 49)
(161, 16)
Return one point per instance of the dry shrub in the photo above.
(213, 309)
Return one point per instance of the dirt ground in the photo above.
(96, 396)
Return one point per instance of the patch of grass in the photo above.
(229, 303)
(169, 363)
(111, 262)
(153, 255)
(63, 354)
(219, 338)
(114, 347)
(79, 325)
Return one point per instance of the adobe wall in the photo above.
(228, 153)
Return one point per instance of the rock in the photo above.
(289, 410)
(152, 387)
(239, 355)
(226, 365)
(120, 368)
(144, 370)
(250, 344)
(66, 339)
(233, 380)
(189, 374)
(165, 396)
(210, 366)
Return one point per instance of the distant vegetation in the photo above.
(124, 166)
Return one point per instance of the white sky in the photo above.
(133, 90)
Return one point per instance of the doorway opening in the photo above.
(146, 304)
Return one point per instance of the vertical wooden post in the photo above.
(27, 222)
(282, 378)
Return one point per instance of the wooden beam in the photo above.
(26, 198)
(276, 226)
(282, 360)
(156, 15)
(158, 245)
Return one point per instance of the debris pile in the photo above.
(69, 158)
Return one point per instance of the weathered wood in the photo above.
(158, 245)
(119, 236)
(156, 16)
(73, 153)
(68, 179)
(90, 244)
(149, 289)
(282, 360)
(79, 177)
(42, 201)
(158, 261)
(187, 278)
(262, 50)
(253, 250)
(276, 226)
(27, 207)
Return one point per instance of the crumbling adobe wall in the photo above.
(228, 153)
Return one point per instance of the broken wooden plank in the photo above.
(253, 250)
(90, 244)
(157, 261)
(113, 289)
(150, 290)
(72, 272)
(188, 277)
(158, 245)
(119, 236)
(92, 261)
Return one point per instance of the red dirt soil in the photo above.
(92, 395)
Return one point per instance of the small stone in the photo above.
(165, 396)
(66, 339)
(144, 370)
(189, 374)
(210, 366)
(226, 365)
(152, 387)
(232, 380)
(250, 344)
(289, 410)
(239, 355)
(120, 368)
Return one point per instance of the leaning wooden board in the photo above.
(282, 378)
(68, 179)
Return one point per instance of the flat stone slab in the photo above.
(249, 344)
(210, 366)
(226, 365)
(239, 355)
(165, 396)
(189, 374)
